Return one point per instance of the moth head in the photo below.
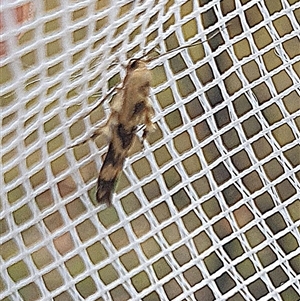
(135, 64)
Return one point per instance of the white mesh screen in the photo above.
(209, 209)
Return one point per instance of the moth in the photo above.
(131, 108)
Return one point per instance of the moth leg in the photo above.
(116, 107)
(148, 114)
(145, 134)
(148, 129)
(77, 144)
(106, 128)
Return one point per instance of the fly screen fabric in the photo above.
(208, 209)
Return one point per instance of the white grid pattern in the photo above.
(209, 210)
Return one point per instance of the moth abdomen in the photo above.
(112, 165)
(121, 142)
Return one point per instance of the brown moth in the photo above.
(130, 108)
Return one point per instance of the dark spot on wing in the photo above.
(125, 136)
(138, 108)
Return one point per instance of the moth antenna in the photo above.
(147, 60)
(115, 62)
(143, 56)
